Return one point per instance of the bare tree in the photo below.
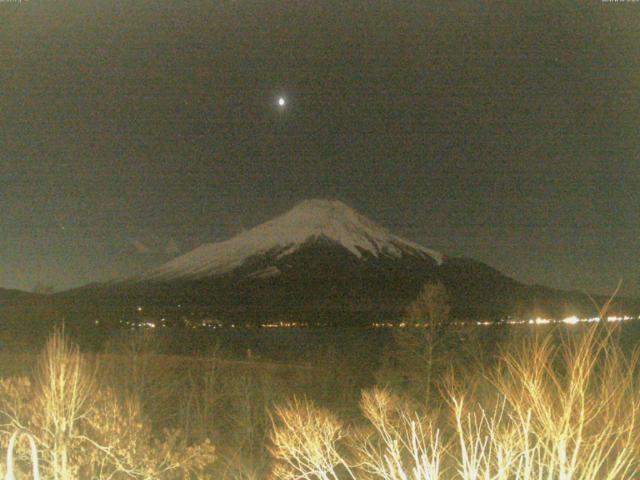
(424, 345)
(65, 386)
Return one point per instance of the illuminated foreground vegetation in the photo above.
(544, 412)
(542, 408)
(83, 430)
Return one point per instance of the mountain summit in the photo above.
(328, 221)
(324, 262)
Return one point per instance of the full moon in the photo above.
(281, 102)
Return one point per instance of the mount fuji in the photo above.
(323, 223)
(323, 261)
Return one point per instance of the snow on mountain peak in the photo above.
(311, 219)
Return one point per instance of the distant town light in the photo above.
(540, 321)
(571, 320)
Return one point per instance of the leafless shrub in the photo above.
(400, 445)
(558, 411)
(87, 432)
(306, 442)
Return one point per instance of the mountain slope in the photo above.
(323, 261)
(308, 222)
(9, 297)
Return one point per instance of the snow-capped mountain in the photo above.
(328, 221)
(319, 258)
(323, 261)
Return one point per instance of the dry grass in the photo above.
(83, 430)
(550, 408)
(565, 411)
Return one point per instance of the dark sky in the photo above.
(503, 131)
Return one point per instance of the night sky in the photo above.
(504, 131)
